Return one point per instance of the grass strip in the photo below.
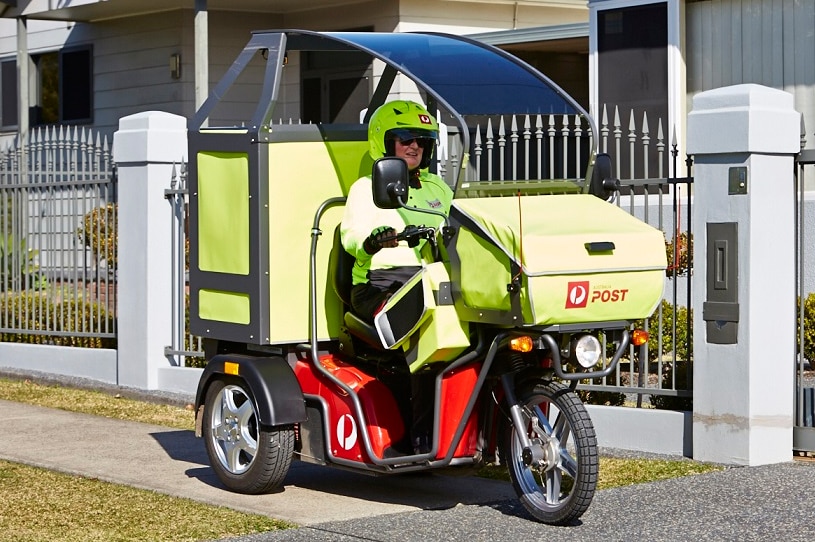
(42, 505)
(98, 403)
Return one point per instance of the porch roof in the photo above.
(98, 10)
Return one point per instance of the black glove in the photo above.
(379, 238)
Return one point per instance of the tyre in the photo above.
(557, 480)
(247, 458)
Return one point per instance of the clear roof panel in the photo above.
(473, 79)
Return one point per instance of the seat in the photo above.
(340, 266)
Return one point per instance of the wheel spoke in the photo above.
(561, 429)
(568, 463)
(543, 421)
(553, 478)
(228, 406)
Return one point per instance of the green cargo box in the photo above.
(554, 259)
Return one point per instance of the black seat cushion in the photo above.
(340, 266)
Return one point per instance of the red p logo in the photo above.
(577, 294)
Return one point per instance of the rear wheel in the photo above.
(556, 477)
(246, 457)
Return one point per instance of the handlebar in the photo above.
(412, 234)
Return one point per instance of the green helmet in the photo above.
(405, 120)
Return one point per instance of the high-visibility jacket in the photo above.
(362, 216)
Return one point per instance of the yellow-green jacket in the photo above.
(362, 216)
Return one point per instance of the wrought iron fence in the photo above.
(58, 239)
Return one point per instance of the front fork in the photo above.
(544, 451)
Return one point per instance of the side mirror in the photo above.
(602, 184)
(390, 182)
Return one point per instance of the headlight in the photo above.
(586, 350)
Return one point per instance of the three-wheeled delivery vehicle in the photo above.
(536, 277)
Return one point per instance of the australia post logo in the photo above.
(580, 293)
(577, 295)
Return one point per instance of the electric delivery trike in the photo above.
(535, 280)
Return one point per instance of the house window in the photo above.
(8, 94)
(335, 86)
(65, 86)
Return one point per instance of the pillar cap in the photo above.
(745, 118)
(150, 137)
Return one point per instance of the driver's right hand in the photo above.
(381, 237)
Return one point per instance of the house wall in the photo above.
(131, 61)
(131, 54)
(766, 42)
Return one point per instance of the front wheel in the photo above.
(555, 478)
(246, 457)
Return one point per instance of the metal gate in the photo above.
(803, 440)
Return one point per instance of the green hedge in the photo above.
(35, 310)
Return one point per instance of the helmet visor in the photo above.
(406, 135)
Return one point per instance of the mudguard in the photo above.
(271, 382)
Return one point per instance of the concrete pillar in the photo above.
(743, 139)
(145, 148)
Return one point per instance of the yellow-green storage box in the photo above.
(554, 259)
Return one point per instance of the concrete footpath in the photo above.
(775, 502)
(175, 462)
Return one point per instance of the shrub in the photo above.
(683, 350)
(684, 341)
(33, 310)
(809, 326)
(19, 268)
(98, 233)
(680, 255)
(198, 361)
(605, 398)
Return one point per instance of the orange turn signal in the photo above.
(521, 344)
(639, 337)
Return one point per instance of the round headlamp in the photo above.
(586, 350)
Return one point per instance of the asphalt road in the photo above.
(774, 502)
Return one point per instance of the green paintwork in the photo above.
(223, 207)
(224, 306)
(351, 161)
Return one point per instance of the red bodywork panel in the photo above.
(384, 422)
(379, 407)
(456, 389)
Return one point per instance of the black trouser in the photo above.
(368, 298)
